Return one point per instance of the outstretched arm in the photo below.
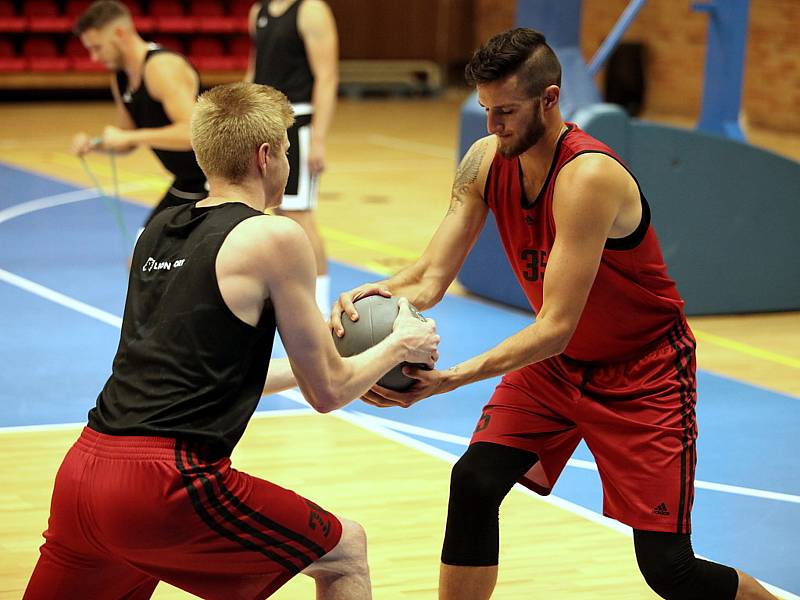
(279, 377)
(171, 81)
(83, 143)
(425, 281)
(593, 196)
(251, 272)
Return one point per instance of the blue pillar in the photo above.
(722, 91)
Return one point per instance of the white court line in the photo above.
(265, 414)
(371, 423)
(59, 298)
(295, 395)
(30, 206)
(574, 462)
(115, 321)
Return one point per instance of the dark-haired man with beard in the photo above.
(610, 358)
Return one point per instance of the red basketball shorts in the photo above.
(637, 418)
(128, 511)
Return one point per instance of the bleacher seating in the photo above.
(36, 35)
(239, 48)
(210, 16)
(42, 54)
(10, 20)
(74, 8)
(208, 53)
(45, 16)
(170, 17)
(10, 62)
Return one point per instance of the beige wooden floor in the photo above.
(399, 494)
(391, 163)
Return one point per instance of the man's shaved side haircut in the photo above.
(99, 14)
(523, 52)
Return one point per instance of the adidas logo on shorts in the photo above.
(661, 509)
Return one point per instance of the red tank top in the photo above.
(632, 303)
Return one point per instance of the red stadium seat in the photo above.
(169, 17)
(134, 6)
(75, 8)
(241, 8)
(9, 61)
(43, 15)
(144, 23)
(209, 16)
(207, 8)
(208, 53)
(10, 21)
(239, 49)
(240, 11)
(170, 42)
(41, 54)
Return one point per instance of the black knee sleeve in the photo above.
(671, 569)
(478, 483)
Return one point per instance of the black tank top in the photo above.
(281, 60)
(186, 366)
(147, 113)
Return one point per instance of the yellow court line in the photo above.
(747, 349)
(396, 252)
(360, 242)
(98, 166)
(104, 168)
(379, 268)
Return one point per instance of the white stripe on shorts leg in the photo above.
(302, 108)
(306, 197)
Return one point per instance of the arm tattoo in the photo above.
(466, 175)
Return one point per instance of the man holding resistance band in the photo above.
(154, 90)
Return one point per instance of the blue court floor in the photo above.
(63, 275)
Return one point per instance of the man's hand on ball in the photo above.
(417, 334)
(346, 300)
(428, 383)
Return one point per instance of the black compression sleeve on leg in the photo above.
(479, 482)
(671, 569)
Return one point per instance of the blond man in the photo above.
(147, 493)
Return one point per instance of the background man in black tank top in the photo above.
(296, 50)
(154, 90)
(210, 284)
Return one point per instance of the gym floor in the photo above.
(63, 276)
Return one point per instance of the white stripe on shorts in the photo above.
(302, 108)
(306, 197)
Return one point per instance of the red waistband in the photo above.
(127, 446)
(680, 334)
